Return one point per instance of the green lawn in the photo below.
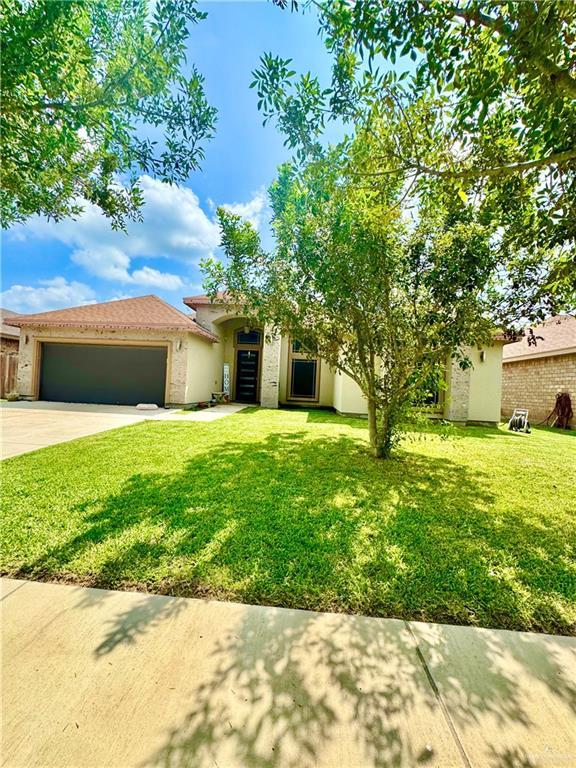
(287, 508)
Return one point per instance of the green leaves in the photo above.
(490, 105)
(80, 82)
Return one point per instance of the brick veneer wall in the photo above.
(534, 384)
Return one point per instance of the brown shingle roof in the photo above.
(203, 300)
(556, 336)
(149, 313)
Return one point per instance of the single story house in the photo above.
(145, 350)
(9, 334)
(533, 374)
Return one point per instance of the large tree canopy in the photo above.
(381, 295)
(499, 84)
(94, 93)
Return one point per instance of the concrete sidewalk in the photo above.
(207, 414)
(114, 680)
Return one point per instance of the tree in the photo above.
(379, 297)
(85, 83)
(500, 84)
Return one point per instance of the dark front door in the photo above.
(102, 373)
(247, 365)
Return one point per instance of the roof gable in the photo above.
(202, 300)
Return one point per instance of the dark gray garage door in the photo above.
(100, 373)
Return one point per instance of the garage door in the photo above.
(101, 373)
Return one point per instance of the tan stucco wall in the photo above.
(204, 369)
(211, 318)
(325, 395)
(485, 384)
(472, 395)
(180, 346)
(347, 396)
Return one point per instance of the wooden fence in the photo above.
(8, 373)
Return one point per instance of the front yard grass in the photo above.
(288, 508)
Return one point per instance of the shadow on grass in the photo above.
(308, 521)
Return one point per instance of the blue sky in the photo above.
(47, 265)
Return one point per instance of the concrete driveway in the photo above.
(93, 678)
(27, 426)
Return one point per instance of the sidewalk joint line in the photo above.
(439, 698)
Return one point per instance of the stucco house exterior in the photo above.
(145, 350)
(533, 374)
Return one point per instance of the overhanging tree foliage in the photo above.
(500, 85)
(94, 93)
(383, 298)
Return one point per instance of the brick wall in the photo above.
(534, 384)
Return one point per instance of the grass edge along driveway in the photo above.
(288, 508)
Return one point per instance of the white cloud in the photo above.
(253, 210)
(174, 226)
(48, 294)
(152, 277)
(111, 263)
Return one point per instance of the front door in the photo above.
(247, 368)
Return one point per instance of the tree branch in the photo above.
(560, 78)
(555, 158)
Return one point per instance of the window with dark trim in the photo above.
(432, 397)
(249, 337)
(303, 379)
(303, 374)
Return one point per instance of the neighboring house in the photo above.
(144, 350)
(10, 335)
(9, 340)
(533, 375)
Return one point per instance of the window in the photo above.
(432, 397)
(303, 373)
(249, 337)
(303, 379)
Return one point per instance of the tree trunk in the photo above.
(379, 430)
